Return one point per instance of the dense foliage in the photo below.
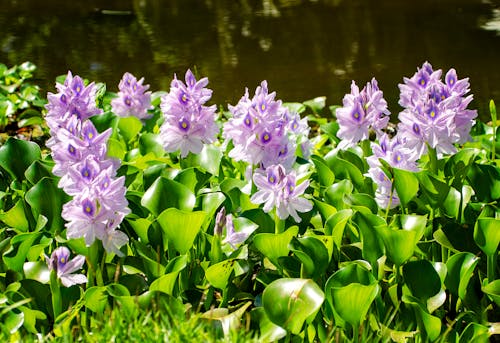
(250, 220)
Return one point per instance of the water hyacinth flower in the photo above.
(189, 124)
(397, 155)
(362, 110)
(133, 98)
(278, 189)
(435, 112)
(232, 237)
(263, 132)
(65, 267)
(80, 155)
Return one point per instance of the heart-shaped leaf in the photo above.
(180, 228)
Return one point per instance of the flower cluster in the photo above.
(263, 132)
(133, 98)
(188, 123)
(79, 152)
(397, 156)
(65, 267)
(435, 112)
(361, 112)
(277, 189)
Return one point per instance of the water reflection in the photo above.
(303, 48)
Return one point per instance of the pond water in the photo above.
(303, 48)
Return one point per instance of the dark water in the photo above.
(303, 48)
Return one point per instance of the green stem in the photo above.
(355, 333)
(491, 265)
(94, 275)
(55, 290)
(433, 160)
(493, 112)
(279, 225)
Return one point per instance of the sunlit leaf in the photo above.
(422, 279)
(406, 185)
(350, 292)
(273, 245)
(165, 193)
(180, 228)
(289, 303)
(487, 234)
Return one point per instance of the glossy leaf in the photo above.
(422, 279)
(326, 177)
(228, 321)
(38, 271)
(129, 127)
(96, 299)
(289, 303)
(335, 225)
(15, 217)
(219, 274)
(370, 225)
(165, 193)
(180, 228)
(209, 159)
(17, 155)
(492, 289)
(313, 255)
(269, 332)
(334, 194)
(460, 270)
(487, 234)
(273, 245)
(21, 244)
(38, 170)
(406, 185)
(350, 292)
(165, 283)
(428, 324)
(47, 199)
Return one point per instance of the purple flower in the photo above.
(263, 132)
(188, 123)
(435, 112)
(79, 152)
(133, 98)
(60, 262)
(73, 98)
(361, 112)
(279, 190)
(397, 155)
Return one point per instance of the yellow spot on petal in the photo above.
(433, 114)
(263, 107)
(88, 209)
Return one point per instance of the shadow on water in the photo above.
(303, 48)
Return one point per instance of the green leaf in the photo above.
(487, 234)
(492, 290)
(165, 193)
(476, 333)
(180, 228)
(165, 283)
(350, 292)
(47, 199)
(289, 303)
(334, 195)
(273, 245)
(325, 210)
(37, 271)
(336, 223)
(219, 274)
(485, 180)
(230, 322)
(38, 170)
(96, 299)
(148, 142)
(141, 227)
(268, 331)
(15, 217)
(401, 238)
(313, 255)
(429, 325)
(460, 270)
(129, 127)
(17, 155)
(344, 169)
(325, 175)
(317, 104)
(30, 318)
(422, 279)
(12, 321)
(370, 225)
(406, 185)
(209, 159)
(16, 257)
(116, 149)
